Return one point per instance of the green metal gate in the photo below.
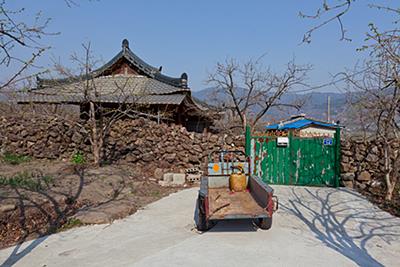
(303, 161)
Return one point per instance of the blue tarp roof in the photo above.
(298, 124)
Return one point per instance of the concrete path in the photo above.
(314, 227)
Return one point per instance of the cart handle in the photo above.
(240, 168)
(225, 151)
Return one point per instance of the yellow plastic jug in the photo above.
(237, 181)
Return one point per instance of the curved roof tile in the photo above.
(133, 59)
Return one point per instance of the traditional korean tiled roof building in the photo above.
(126, 78)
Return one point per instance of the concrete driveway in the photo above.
(314, 227)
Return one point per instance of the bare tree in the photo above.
(124, 92)
(375, 86)
(98, 119)
(331, 11)
(377, 91)
(17, 34)
(251, 90)
(327, 14)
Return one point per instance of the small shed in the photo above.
(297, 151)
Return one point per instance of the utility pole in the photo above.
(329, 109)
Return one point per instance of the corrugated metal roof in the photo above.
(298, 124)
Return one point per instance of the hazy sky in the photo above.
(191, 36)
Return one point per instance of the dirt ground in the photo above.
(45, 197)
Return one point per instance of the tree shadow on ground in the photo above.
(344, 225)
(19, 253)
(53, 211)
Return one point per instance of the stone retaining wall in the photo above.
(362, 163)
(140, 141)
(162, 147)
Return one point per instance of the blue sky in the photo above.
(191, 36)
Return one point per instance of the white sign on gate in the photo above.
(282, 141)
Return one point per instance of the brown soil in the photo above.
(72, 196)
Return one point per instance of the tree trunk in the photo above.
(244, 121)
(389, 191)
(95, 140)
(96, 154)
(394, 176)
(389, 184)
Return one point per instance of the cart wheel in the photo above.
(201, 221)
(265, 223)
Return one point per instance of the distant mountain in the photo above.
(315, 103)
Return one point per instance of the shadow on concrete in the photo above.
(18, 254)
(344, 225)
